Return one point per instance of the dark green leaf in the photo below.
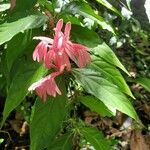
(8, 30)
(47, 120)
(84, 36)
(16, 46)
(105, 91)
(96, 105)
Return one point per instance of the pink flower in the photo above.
(46, 86)
(56, 53)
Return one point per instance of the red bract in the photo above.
(56, 53)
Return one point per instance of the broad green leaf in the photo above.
(47, 120)
(16, 46)
(95, 138)
(8, 30)
(105, 52)
(145, 82)
(105, 91)
(95, 105)
(62, 143)
(109, 6)
(84, 36)
(110, 73)
(29, 74)
(85, 10)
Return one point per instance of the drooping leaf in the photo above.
(30, 73)
(143, 81)
(62, 143)
(105, 52)
(95, 138)
(8, 30)
(110, 73)
(96, 105)
(47, 120)
(105, 91)
(85, 10)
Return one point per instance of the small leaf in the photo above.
(29, 74)
(96, 105)
(46, 121)
(145, 82)
(85, 10)
(105, 52)
(105, 91)
(95, 138)
(9, 29)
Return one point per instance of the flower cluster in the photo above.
(56, 54)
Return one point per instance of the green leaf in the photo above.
(29, 74)
(85, 10)
(24, 4)
(62, 143)
(96, 105)
(16, 46)
(95, 138)
(84, 36)
(110, 73)
(145, 82)
(105, 91)
(109, 6)
(105, 52)
(8, 30)
(47, 120)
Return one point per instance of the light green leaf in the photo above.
(145, 82)
(85, 10)
(105, 52)
(109, 6)
(1, 141)
(105, 91)
(47, 120)
(95, 138)
(147, 9)
(110, 73)
(9, 29)
(96, 105)
(29, 74)
(62, 143)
